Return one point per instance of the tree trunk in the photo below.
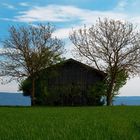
(109, 93)
(33, 93)
(109, 100)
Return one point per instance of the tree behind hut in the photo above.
(111, 46)
(28, 50)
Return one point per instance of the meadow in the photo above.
(70, 123)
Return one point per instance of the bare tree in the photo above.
(111, 46)
(28, 50)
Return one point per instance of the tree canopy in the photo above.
(27, 50)
(111, 46)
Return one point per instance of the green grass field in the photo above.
(70, 123)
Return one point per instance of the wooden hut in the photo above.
(70, 83)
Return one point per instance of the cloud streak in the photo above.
(25, 4)
(76, 17)
(9, 6)
(61, 13)
(121, 5)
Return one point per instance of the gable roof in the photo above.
(71, 60)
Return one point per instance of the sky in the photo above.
(65, 15)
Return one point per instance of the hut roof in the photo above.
(81, 64)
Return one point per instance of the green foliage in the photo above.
(68, 95)
(65, 95)
(121, 80)
(70, 123)
(97, 93)
(41, 92)
(26, 86)
(98, 89)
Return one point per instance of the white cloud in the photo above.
(8, 19)
(10, 87)
(62, 33)
(48, 13)
(61, 13)
(132, 88)
(135, 19)
(121, 5)
(25, 4)
(9, 6)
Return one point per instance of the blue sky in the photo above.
(65, 15)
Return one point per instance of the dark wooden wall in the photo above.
(73, 73)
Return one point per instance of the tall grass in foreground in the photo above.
(70, 123)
